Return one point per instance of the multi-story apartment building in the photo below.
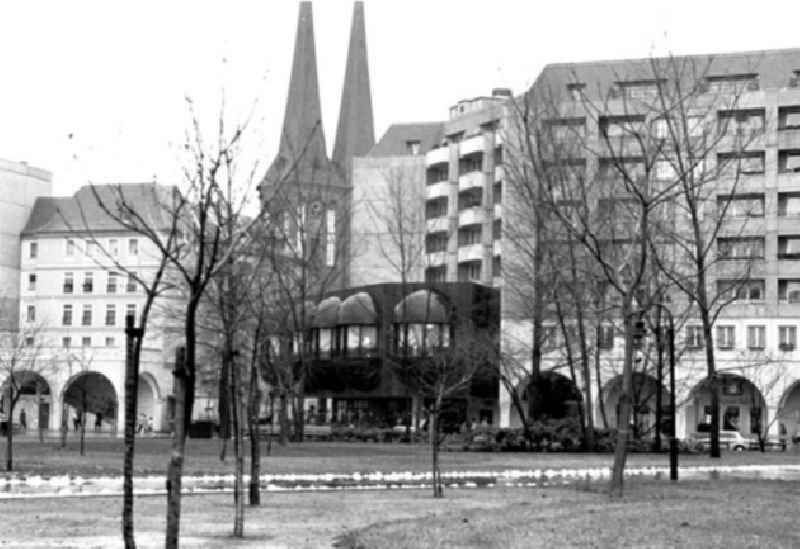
(75, 292)
(746, 106)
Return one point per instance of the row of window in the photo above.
(86, 314)
(725, 337)
(66, 342)
(361, 340)
(468, 271)
(647, 88)
(113, 283)
(91, 248)
(439, 173)
(752, 247)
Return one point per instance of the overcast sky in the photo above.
(95, 90)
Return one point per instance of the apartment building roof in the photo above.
(396, 139)
(83, 212)
(774, 69)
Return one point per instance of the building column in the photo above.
(505, 408)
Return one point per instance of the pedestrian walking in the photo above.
(23, 421)
(98, 422)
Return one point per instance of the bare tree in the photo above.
(22, 366)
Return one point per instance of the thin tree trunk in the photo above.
(438, 492)
(83, 421)
(10, 431)
(623, 419)
(39, 425)
(175, 465)
(238, 500)
(283, 419)
(64, 424)
(598, 380)
(253, 404)
(131, 396)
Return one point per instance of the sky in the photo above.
(95, 90)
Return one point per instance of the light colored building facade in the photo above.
(755, 95)
(74, 297)
(20, 184)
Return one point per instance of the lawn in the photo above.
(104, 457)
(653, 514)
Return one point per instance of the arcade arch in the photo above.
(35, 399)
(93, 395)
(741, 406)
(643, 409)
(552, 396)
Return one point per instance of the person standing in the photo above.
(98, 422)
(23, 421)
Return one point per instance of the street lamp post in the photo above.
(673, 441)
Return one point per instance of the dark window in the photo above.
(469, 271)
(789, 118)
(789, 160)
(470, 163)
(789, 247)
(470, 198)
(436, 208)
(434, 275)
(748, 247)
(742, 205)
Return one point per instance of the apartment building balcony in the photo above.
(435, 259)
(470, 252)
(471, 145)
(471, 216)
(498, 211)
(437, 156)
(437, 224)
(788, 224)
(470, 180)
(437, 189)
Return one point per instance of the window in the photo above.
(496, 266)
(497, 229)
(86, 315)
(468, 235)
(66, 342)
(33, 250)
(741, 122)
(88, 282)
(91, 248)
(575, 90)
(747, 163)
(562, 129)
(472, 198)
(29, 341)
(789, 290)
(110, 342)
(748, 247)
(86, 341)
(130, 310)
(497, 193)
(32, 281)
(436, 174)
(111, 284)
(726, 337)
(435, 275)
(732, 83)
(789, 118)
(66, 315)
(68, 283)
(31, 316)
(133, 246)
(665, 170)
(605, 337)
(787, 338)
(113, 247)
(639, 89)
(789, 247)
(660, 128)
(330, 238)
(469, 271)
(617, 169)
(696, 125)
(622, 126)
(130, 287)
(436, 242)
(435, 208)
(694, 337)
(741, 290)
(111, 315)
(742, 205)
(789, 161)
(788, 204)
(549, 337)
(421, 339)
(470, 163)
(755, 337)
(413, 147)
(730, 421)
(70, 247)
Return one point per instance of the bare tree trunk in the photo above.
(516, 402)
(253, 405)
(131, 395)
(238, 500)
(599, 382)
(64, 424)
(283, 419)
(39, 425)
(83, 421)
(438, 490)
(175, 465)
(623, 419)
(10, 430)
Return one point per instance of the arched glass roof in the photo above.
(422, 307)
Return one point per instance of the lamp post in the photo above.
(673, 441)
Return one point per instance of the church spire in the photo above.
(302, 144)
(355, 134)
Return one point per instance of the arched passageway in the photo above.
(94, 395)
(147, 396)
(34, 402)
(789, 414)
(644, 399)
(741, 406)
(551, 395)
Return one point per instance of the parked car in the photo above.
(728, 440)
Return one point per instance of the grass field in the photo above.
(104, 457)
(652, 514)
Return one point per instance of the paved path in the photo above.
(36, 486)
